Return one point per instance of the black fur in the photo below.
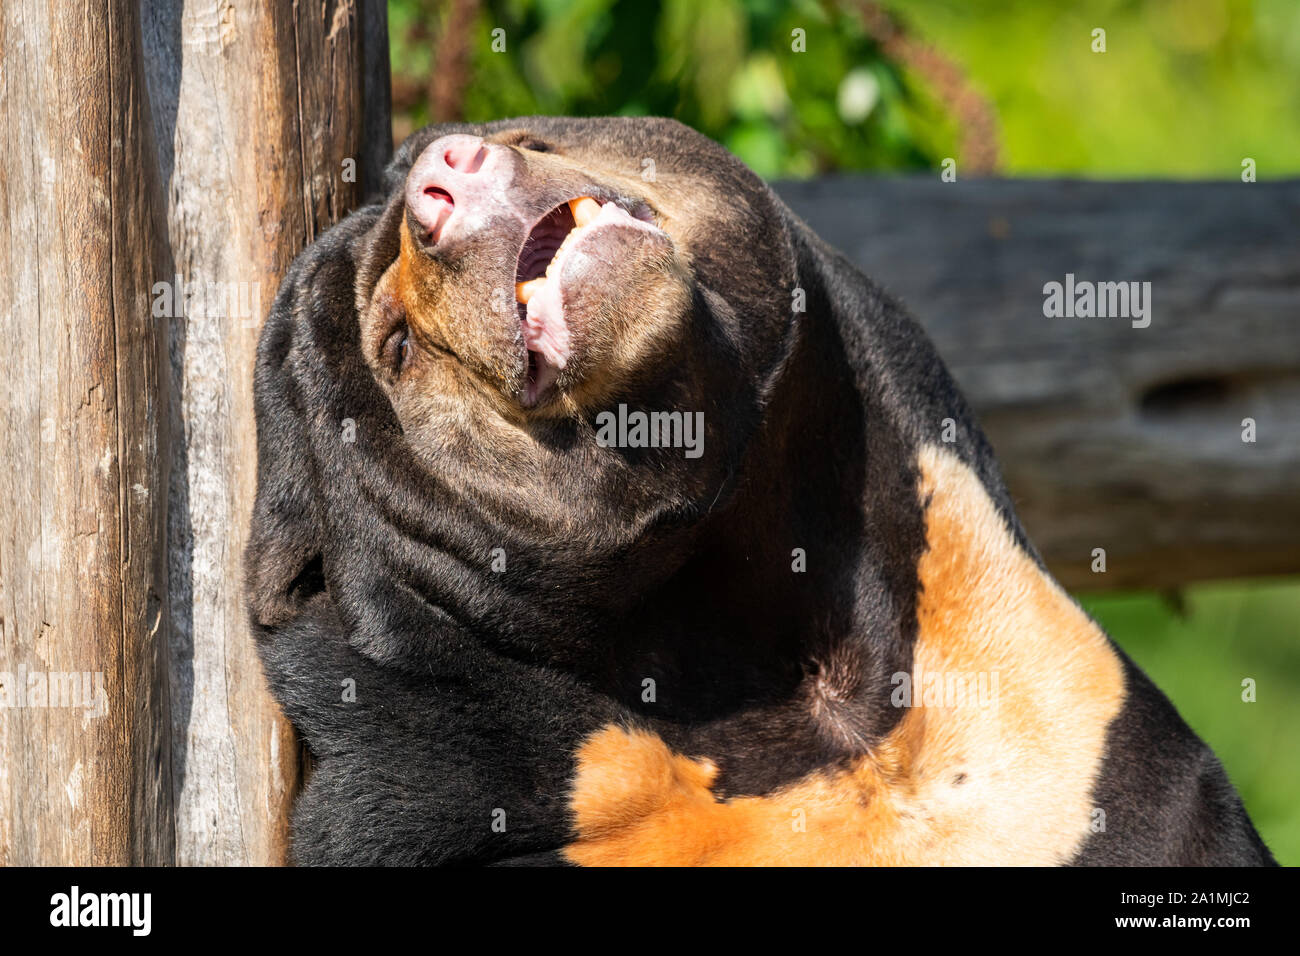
(473, 690)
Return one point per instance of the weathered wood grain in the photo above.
(259, 109)
(85, 774)
(1110, 436)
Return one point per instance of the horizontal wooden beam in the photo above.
(1110, 436)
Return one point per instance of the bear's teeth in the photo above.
(584, 210)
(526, 290)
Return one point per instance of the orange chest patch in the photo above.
(1011, 694)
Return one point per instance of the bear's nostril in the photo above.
(465, 156)
(437, 192)
(432, 206)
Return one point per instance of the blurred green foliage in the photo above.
(1199, 656)
(1185, 88)
(726, 67)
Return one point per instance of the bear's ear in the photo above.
(282, 563)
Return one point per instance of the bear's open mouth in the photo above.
(547, 238)
(545, 332)
(547, 335)
(544, 242)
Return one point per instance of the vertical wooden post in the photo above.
(148, 224)
(85, 773)
(267, 122)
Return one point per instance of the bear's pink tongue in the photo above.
(545, 331)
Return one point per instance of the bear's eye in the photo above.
(396, 351)
(533, 144)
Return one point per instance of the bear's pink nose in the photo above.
(448, 175)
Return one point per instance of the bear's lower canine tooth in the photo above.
(526, 290)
